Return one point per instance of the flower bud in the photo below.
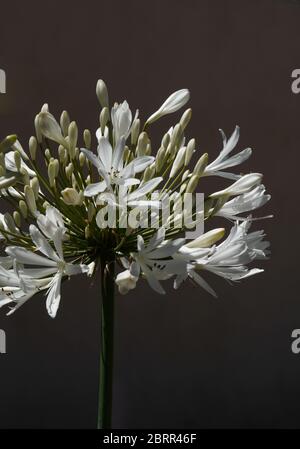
(32, 147)
(25, 176)
(50, 128)
(189, 151)
(166, 140)
(47, 154)
(201, 165)
(87, 138)
(38, 132)
(35, 185)
(52, 173)
(17, 159)
(102, 93)
(23, 208)
(62, 154)
(30, 199)
(82, 159)
(73, 136)
(178, 162)
(69, 170)
(143, 140)
(192, 184)
(71, 197)
(185, 118)
(64, 122)
(17, 218)
(135, 130)
(104, 117)
(172, 104)
(7, 143)
(160, 159)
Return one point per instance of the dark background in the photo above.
(185, 359)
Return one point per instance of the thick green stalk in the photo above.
(107, 344)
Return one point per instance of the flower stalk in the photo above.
(107, 343)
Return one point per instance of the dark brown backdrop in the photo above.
(183, 360)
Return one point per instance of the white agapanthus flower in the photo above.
(59, 227)
(119, 207)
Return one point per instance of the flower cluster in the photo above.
(60, 193)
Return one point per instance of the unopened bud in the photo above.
(17, 218)
(38, 132)
(32, 147)
(73, 136)
(192, 184)
(50, 128)
(51, 173)
(35, 185)
(71, 197)
(142, 143)
(82, 159)
(64, 122)
(47, 154)
(69, 170)
(25, 176)
(102, 93)
(104, 117)
(7, 143)
(185, 118)
(189, 151)
(135, 130)
(87, 138)
(17, 159)
(30, 199)
(23, 208)
(201, 165)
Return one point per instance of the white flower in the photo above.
(51, 223)
(53, 264)
(125, 282)
(172, 104)
(246, 202)
(71, 197)
(155, 259)
(110, 166)
(242, 185)
(121, 118)
(224, 161)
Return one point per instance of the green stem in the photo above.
(107, 344)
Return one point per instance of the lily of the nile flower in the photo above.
(110, 166)
(229, 259)
(52, 264)
(155, 260)
(224, 160)
(172, 104)
(246, 202)
(126, 282)
(51, 223)
(242, 185)
(17, 287)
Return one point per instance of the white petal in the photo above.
(94, 189)
(22, 255)
(42, 244)
(105, 153)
